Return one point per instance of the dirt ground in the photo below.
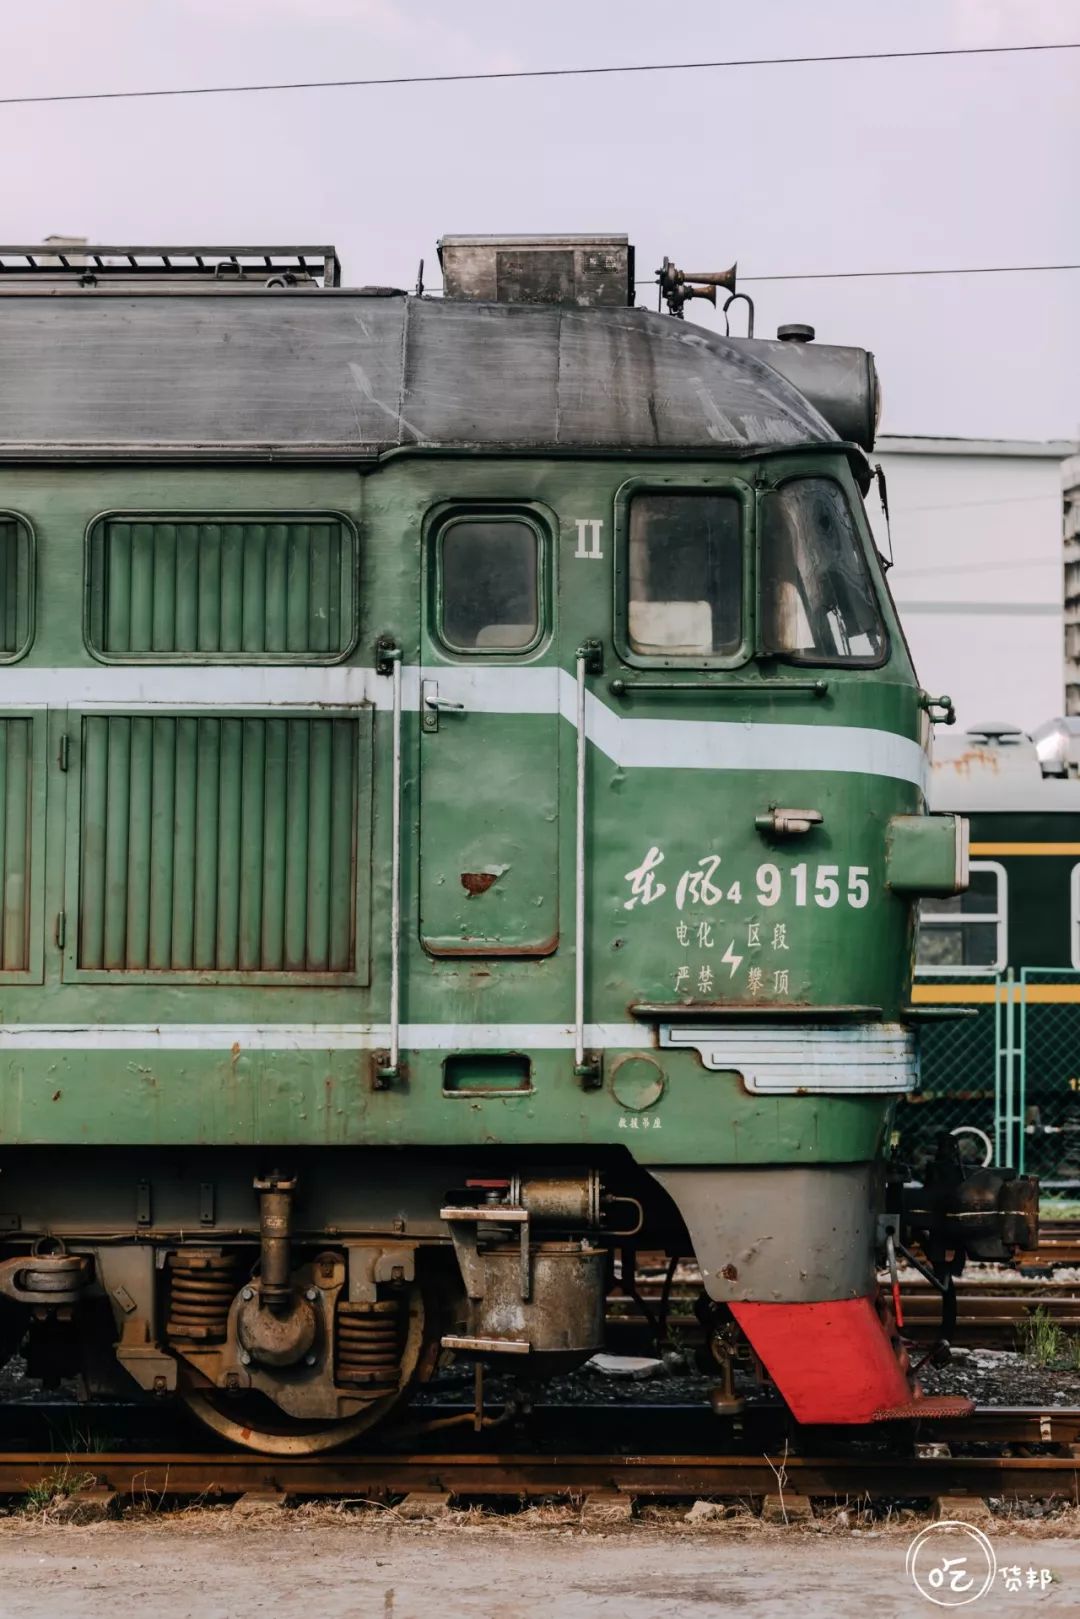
(207, 1565)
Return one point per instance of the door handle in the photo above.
(432, 705)
(788, 823)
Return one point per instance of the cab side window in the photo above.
(685, 575)
(489, 585)
(16, 587)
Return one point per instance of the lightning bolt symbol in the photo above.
(733, 961)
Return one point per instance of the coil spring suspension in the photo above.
(202, 1288)
(369, 1345)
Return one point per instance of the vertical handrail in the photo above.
(395, 871)
(579, 871)
(1010, 1067)
(999, 1072)
(1021, 1106)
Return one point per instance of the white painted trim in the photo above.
(639, 744)
(781, 1060)
(728, 745)
(241, 1037)
(136, 687)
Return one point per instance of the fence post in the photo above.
(1006, 1158)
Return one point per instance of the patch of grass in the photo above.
(55, 1486)
(76, 1437)
(1044, 1342)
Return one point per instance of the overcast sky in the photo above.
(859, 166)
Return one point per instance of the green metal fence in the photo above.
(1007, 1075)
(962, 1082)
(1048, 1143)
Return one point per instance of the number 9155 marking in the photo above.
(820, 883)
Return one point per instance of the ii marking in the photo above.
(588, 538)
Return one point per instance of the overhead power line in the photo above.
(862, 275)
(865, 275)
(539, 73)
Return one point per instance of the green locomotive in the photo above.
(463, 806)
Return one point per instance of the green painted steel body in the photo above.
(196, 866)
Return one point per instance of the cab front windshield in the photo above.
(686, 577)
(817, 600)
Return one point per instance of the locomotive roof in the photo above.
(311, 373)
(1000, 773)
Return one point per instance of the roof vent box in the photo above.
(589, 271)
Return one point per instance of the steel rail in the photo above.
(143, 1477)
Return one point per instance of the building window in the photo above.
(1074, 918)
(967, 933)
(221, 588)
(489, 584)
(16, 587)
(817, 600)
(685, 596)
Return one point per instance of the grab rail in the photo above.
(388, 662)
(579, 870)
(740, 688)
(589, 661)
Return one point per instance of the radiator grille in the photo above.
(210, 588)
(220, 845)
(16, 755)
(15, 587)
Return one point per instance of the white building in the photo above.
(976, 540)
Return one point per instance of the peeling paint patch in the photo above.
(478, 882)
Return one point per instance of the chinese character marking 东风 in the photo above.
(698, 886)
(644, 886)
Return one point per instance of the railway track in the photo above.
(481, 1477)
(481, 1474)
(991, 1313)
(868, 1469)
(991, 1320)
(992, 1304)
(1059, 1244)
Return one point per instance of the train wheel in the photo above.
(252, 1421)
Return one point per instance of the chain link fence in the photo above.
(960, 1070)
(1006, 1077)
(1049, 1083)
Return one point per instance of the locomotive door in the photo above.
(488, 739)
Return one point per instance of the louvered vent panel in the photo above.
(243, 590)
(16, 754)
(218, 844)
(15, 587)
